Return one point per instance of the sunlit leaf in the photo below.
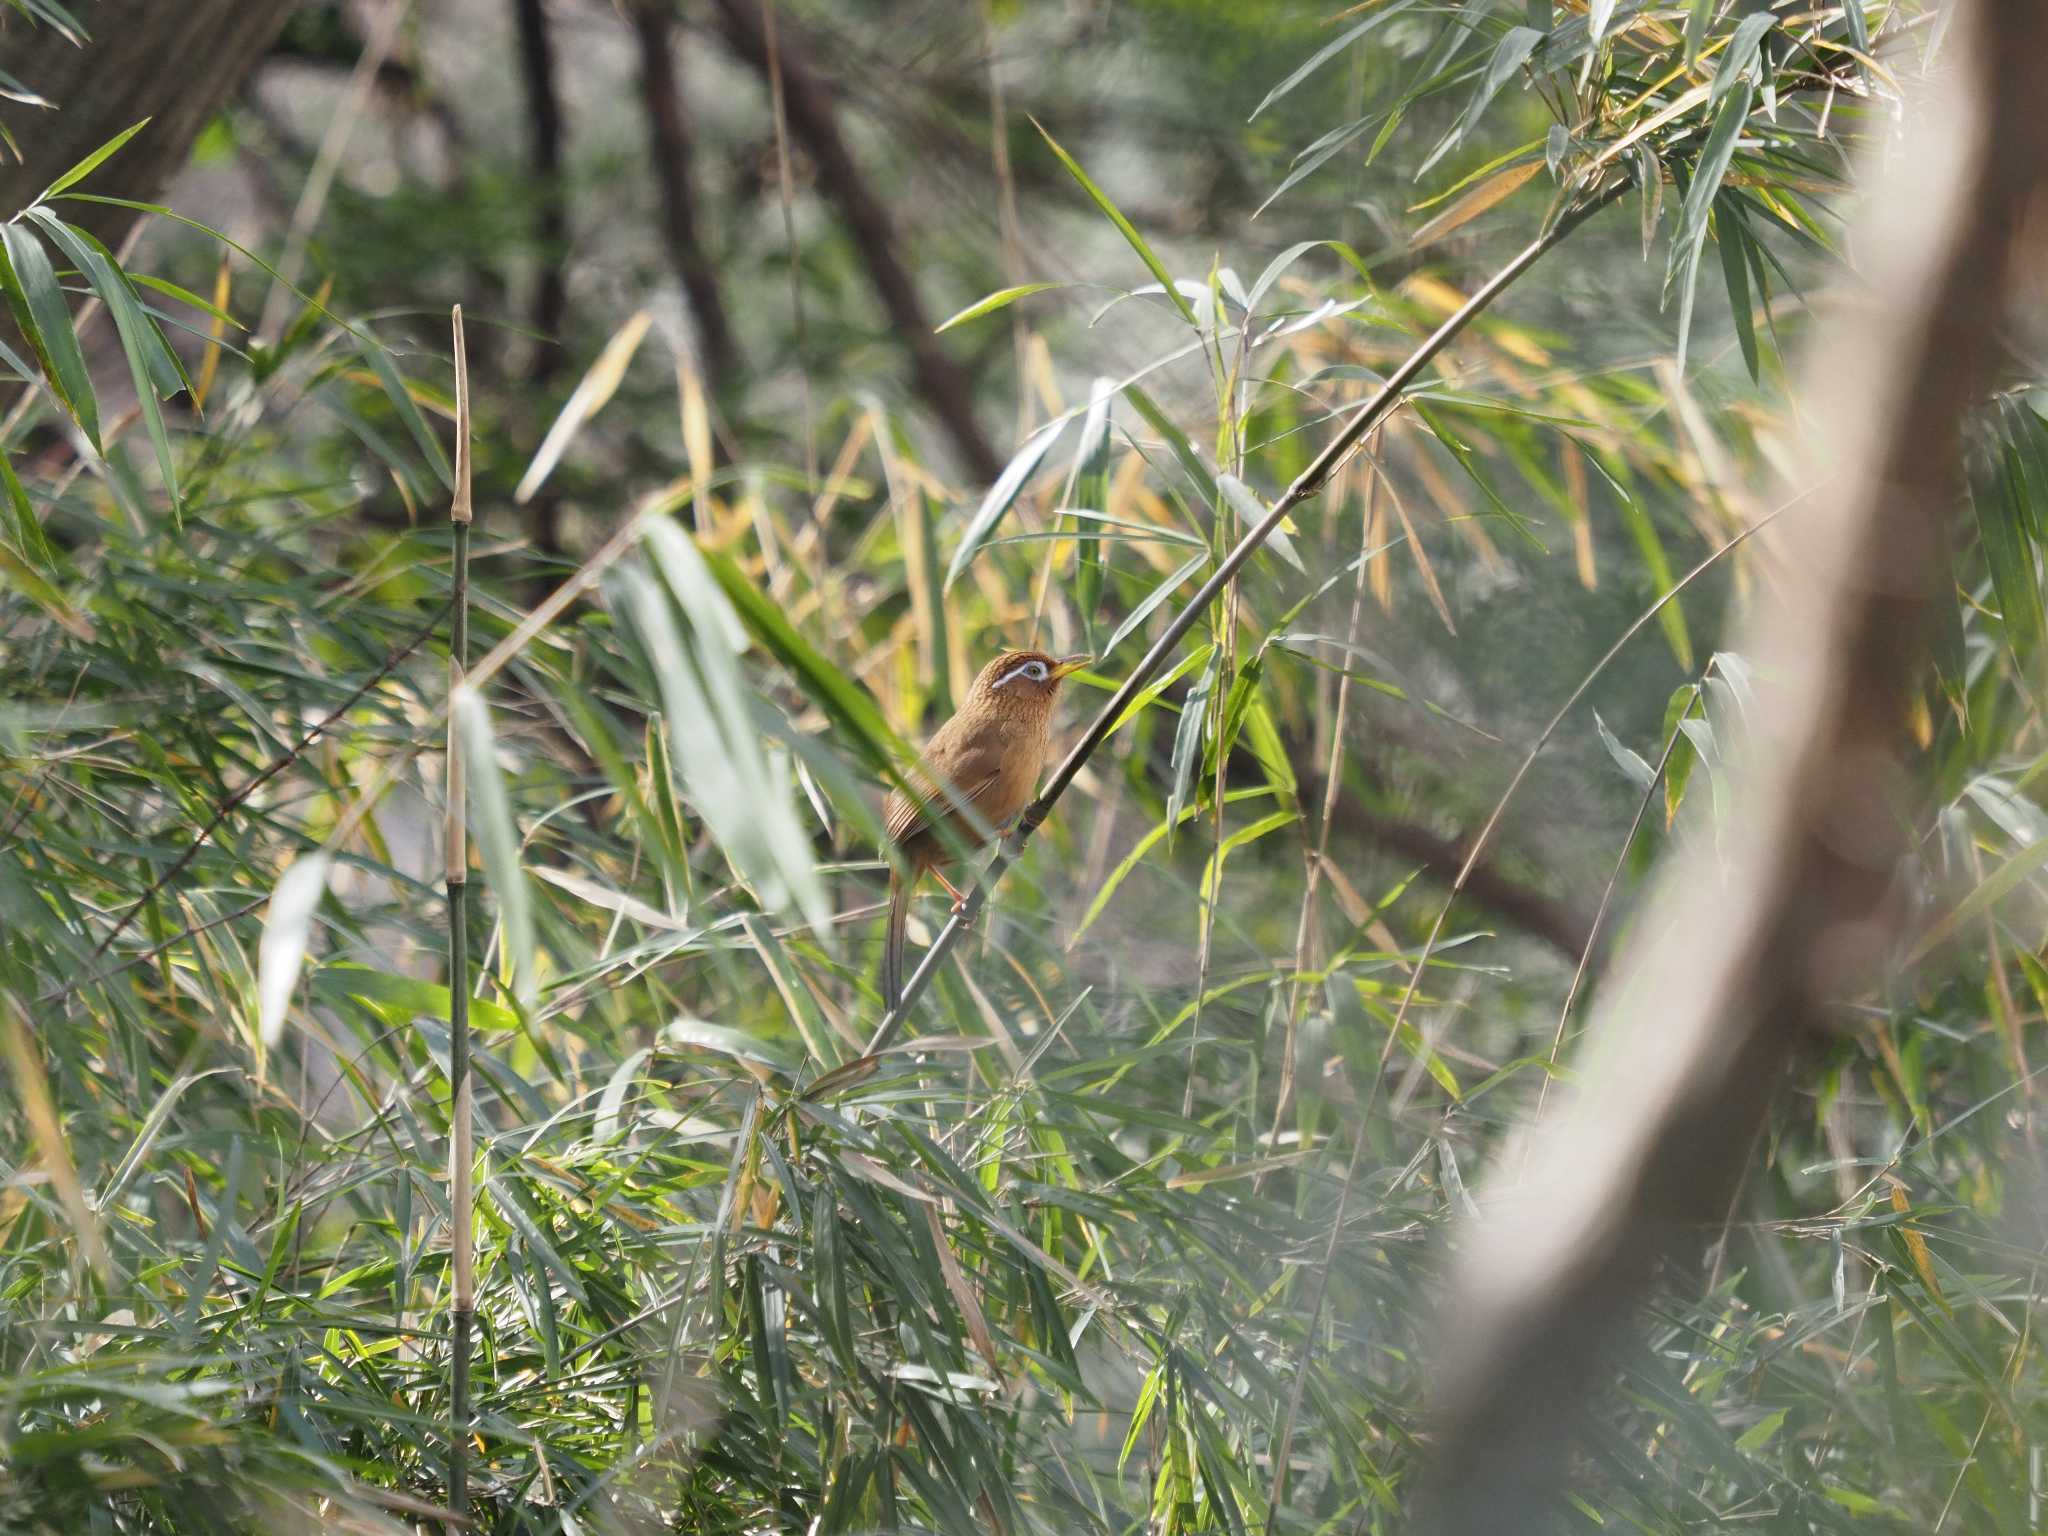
(597, 386)
(287, 931)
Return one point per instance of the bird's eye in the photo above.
(1034, 670)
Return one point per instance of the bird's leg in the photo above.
(959, 898)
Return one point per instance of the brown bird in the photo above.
(976, 776)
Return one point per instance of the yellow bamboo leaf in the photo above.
(591, 392)
(1916, 1245)
(1494, 189)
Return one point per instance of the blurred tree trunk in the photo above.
(544, 150)
(551, 239)
(814, 119)
(1753, 938)
(668, 129)
(174, 64)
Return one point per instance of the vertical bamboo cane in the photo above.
(461, 1147)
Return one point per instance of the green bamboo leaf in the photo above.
(1178, 441)
(2002, 528)
(16, 569)
(1088, 486)
(1245, 502)
(1741, 53)
(831, 688)
(779, 845)
(1858, 26)
(1316, 156)
(1124, 226)
(1329, 51)
(1761, 1433)
(1681, 757)
(91, 162)
(510, 1199)
(1149, 695)
(402, 999)
(1187, 741)
(20, 523)
(1732, 240)
(712, 731)
(1638, 772)
(1151, 602)
(1708, 174)
(1671, 617)
(1509, 55)
(1696, 29)
(150, 363)
(314, 308)
(1985, 895)
(1278, 266)
(12, 89)
(146, 1136)
(44, 315)
(185, 296)
(1002, 298)
(378, 356)
(1005, 491)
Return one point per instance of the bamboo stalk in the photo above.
(455, 839)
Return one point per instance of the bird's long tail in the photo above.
(892, 954)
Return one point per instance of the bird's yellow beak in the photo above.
(1067, 664)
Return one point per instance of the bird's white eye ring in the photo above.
(1033, 669)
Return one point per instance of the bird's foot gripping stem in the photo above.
(960, 907)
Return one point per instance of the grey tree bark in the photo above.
(1739, 952)
(174, 64)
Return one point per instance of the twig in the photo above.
(1333, 774)
(1306, 485)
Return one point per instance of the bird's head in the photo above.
(1025, 679)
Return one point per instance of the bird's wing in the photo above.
(972, 771)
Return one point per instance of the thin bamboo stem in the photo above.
(455, 840)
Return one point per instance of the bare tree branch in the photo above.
(1558, 923)
(1743, 947)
